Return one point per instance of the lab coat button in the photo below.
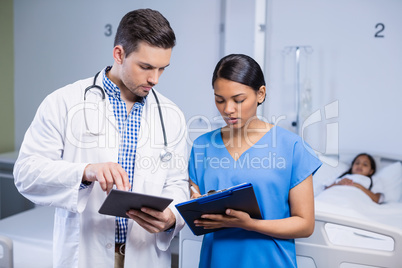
(109, 245)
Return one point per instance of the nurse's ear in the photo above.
(118, 54)
(261, 94)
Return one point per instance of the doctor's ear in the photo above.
(118, 54)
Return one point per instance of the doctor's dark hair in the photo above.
(372, 163)
(240, 68)
(144, 25)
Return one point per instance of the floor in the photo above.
(175, 252)
(175, 261)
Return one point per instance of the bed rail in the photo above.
(325, 254)
(6, 252)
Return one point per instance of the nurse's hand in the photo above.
(194, 190)
(152, 220)
(107, 174)
(232, 218)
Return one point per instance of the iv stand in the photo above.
(297, 49)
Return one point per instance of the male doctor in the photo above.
(76, 151)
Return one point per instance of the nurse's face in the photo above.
(237, 103)
(140, 71)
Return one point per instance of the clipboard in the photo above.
(118, 202)
(239, 197)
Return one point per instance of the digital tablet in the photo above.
(118, 202)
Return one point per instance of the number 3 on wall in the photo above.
(381, 27)
(108, 30)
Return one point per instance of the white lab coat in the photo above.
(57, 148)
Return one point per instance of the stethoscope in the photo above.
(165, 155)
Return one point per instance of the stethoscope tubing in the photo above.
(94, 85)
(161, 118)
(165, 155)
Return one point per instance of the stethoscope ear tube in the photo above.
(94, 85)
(165, 155)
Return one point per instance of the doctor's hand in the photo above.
(152, 220)
(107, 174)
(232, 218)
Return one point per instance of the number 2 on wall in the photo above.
(381, 27)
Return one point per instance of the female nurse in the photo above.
(277, 162)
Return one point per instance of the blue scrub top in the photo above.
(279, 161)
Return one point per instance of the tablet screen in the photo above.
(118, 202)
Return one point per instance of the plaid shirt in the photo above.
(129, 126)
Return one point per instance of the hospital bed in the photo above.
(350, 230)
(6, 252)
(29, 239)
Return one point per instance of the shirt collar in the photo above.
(112, 89)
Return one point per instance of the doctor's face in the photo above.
(140, 71)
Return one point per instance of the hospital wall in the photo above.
(353, 76)
(353, 70)
(70, 40)
(6, 77)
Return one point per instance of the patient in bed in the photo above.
(359, 176)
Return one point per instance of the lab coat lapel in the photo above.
(148, 176)
(143, 147)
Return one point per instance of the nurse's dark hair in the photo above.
(240, 68)
(144, 25)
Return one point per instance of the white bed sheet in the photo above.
(32, 233)
(353, 203)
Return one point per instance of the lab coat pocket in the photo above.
(89, 132)
(148, 183)
(66, 237)
(96, 149)
(153, 186)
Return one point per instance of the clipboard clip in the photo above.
(211, 195)
(211, 192)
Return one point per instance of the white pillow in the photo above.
(330, 170)
(391, 179)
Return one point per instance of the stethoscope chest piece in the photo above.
(165, 155)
